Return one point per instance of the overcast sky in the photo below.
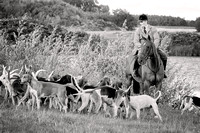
(187, 9)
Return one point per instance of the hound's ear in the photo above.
(26, 69)
(21, 71)
(9, 68)
(4, 71)
(143, 38)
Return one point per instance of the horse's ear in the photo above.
(149, 38)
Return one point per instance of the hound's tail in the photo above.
(159, 95)
(85, 91)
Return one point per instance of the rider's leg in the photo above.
(163, 57)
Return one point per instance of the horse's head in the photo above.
(146, 50)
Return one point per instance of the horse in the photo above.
(151, 70)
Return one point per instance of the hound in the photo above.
(46, 89)
(142, 101)
(71, 88)
(92, 94)
(34, 97)
(189, 103)
(5, 79)
(102, 95)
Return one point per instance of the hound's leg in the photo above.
(64, 102)
(85, 100)
(54, 103)
(182, 103)
(28, 103)
(115, 108)
(187, 106)
(6, 94)
(155, 108)
(37, 101)
(190, 109)
(138, 113)
(71, 104)
(50, 102)
(91, 103)
(97, 100)
(33, 101)
(105, 107)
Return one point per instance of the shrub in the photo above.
(184, 44)
(197, 24)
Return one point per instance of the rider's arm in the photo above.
(136, 40)
(156, 37)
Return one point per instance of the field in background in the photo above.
(186, 68)
(116, 34)
(176, 28)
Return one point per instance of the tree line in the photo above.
(59, 12)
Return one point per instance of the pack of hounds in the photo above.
(70, 93)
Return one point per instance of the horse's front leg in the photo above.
(128, 82)
(145, 88)
(129, 79)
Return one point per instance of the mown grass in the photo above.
(44, 120)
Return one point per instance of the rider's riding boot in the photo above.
(164, 65)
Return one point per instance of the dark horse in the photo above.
(151, 71)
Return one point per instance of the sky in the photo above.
(187, 9)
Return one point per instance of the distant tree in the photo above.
(104, 9)
(77, 3)
(11, 8)
(191, 23)
(183, 22)
(85, 5)
(197, 24)
(120, 15)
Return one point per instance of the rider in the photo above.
(146, 30)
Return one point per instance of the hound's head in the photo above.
(117, 85)
(4, 78)
(121, 95)
(105, 81)
(26, 78)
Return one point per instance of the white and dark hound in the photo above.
(139, 102)
(189, 103)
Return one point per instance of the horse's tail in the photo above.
(159, 95)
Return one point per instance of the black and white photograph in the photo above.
(99, 66)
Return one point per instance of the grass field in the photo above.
(52, 121)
